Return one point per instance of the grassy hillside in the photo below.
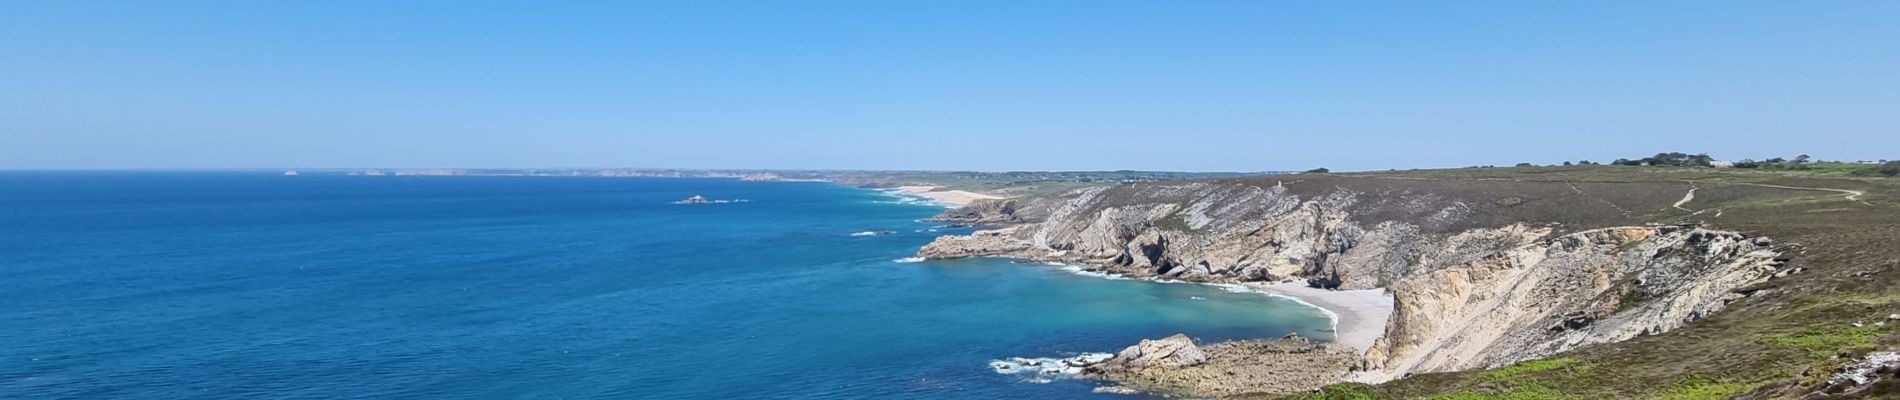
(1842, 231)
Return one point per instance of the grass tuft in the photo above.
(1821, 342)
(1343, 391)
(1530, 367)
(1531, 391)
(1702, 389)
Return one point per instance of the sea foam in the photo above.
(1047, 369)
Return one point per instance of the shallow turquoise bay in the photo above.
(227, 285)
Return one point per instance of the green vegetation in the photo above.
(1007, 184)
(1855, 300)
(1780, 341)
(1672, 159)
(1824, 341)
(1523, 392)
(1343, 391)
(1702, 389)
(1632, 295)
(1509, 202)
(1802, 163)
(1530, 367)
(1630, 245)
(1176, 222)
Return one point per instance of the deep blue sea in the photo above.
(244, 285)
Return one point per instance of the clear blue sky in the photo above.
(1009, 85)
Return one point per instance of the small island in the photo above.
(698, 199)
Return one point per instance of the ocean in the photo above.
(243, 285)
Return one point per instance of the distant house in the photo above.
(1722, 164)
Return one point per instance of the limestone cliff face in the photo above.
(1553, 295)
(1472, 290)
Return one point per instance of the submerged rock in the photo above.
(1043, 369)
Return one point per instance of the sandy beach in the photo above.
(1359, 316)
(952, 197)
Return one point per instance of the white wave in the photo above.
(872, 233)
(1047, 369)
(907, 260)
(900, 196)
(1244, 288)
(1077, 269)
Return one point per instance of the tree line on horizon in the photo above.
(1680, 159)
(1798, 163)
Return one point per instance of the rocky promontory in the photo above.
(1175, 365)
(1479, 276)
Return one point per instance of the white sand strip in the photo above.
(1359, 316)
(951, 197)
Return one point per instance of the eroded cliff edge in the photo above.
(1482, 274)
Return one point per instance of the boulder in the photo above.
(1171, 352)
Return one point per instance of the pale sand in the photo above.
(951, 197)
(1359, 316)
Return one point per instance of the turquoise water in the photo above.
(228, 285)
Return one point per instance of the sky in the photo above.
(940, 85)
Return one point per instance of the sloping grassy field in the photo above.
(1780, 342)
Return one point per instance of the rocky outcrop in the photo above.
(1857, 378)
(1175, 366)
(984, 212)
(1170, 352)
(1477, 281)
(1589, 287)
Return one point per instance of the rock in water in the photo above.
(1170, 352)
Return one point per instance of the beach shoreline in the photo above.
(1359, 316)
(957, 198)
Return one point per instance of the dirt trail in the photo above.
(1850, 195)
(1619, 209)
(1686, 197)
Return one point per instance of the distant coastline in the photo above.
(957, 198)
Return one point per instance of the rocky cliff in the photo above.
(1483, 273)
